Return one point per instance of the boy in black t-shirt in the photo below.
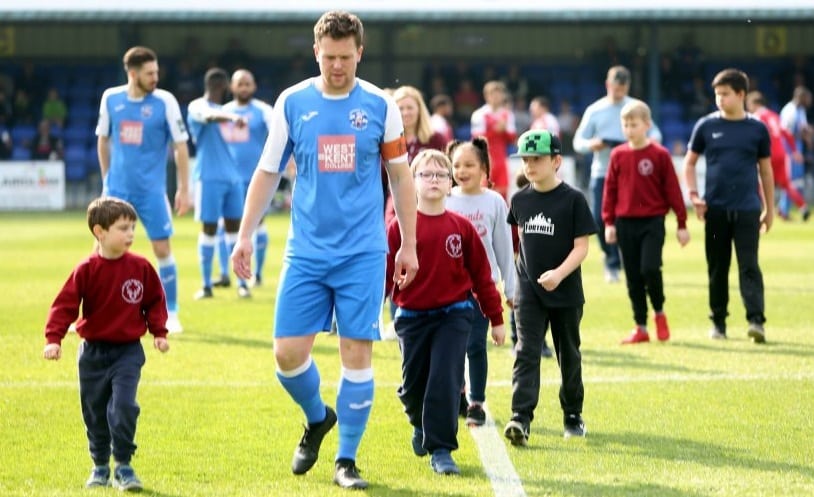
(737, 148)
(554, 224)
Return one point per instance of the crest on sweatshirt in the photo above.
(645, 167)
(132, 291)
(454, 246)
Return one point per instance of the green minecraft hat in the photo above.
(538, 142)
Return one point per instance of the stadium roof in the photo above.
(409, 11)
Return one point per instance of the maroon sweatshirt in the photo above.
(452, 262)
(120, 298)
(642, 183)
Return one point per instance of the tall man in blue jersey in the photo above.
(219, 192)
(137, 123)
(247, 145)
(338, 128)
(599, 131)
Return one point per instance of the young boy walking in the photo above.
(737, 148)
(640, 188)
(554, 224)
(435, 313)
(121, 296)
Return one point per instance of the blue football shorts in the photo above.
(312, 290)
(153, 210)
(218, 199)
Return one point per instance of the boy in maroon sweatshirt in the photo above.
(640, 188)
(121, 297)
(434, 313)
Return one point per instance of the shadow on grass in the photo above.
(155, 493)
(629, 360)
(320, 345)
(578, 488)
(771, 347)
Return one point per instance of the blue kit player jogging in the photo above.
(134, 139)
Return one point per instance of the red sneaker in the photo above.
(638, 335)
(662, 330)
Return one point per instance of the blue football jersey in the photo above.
(214, 160)
(247, 143)
(140, 132)
(338, 143)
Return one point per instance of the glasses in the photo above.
(427, 176)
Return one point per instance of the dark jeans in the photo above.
(533, 320)
(108, 379)
(611, 251)
(433, 351)
(476, 353)
(641, 241)
(722, 229)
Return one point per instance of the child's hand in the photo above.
(700, 206)
(161, 344)
(510, 303)
(52, 352)
(610, 234)
(550, 280)
(683, 236)
(498, 334)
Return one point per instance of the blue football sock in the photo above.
(206, 253)
(302, 384)
(261, 242)
(353, 403)
(223, 251)
(168, 271)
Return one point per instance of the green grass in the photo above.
(690, 418)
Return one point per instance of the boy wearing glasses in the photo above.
(434, 314)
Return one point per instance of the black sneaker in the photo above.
(347, 475)
(475, 415)
(307, 452)
(574, 426)
(418, 442)
(203, 293)
(517, 432)
(463, 407)
(223, 282)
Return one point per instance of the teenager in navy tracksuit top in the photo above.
(434, 314)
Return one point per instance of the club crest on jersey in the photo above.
(358, 119)
(146, 111)
(645, 167)
(132, 291)
(454, 246)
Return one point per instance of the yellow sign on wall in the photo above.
(6, 42)
(771, 41)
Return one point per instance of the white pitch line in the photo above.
(495, 460)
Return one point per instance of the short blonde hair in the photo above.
(636, 108)
(423, 127)
(431, 155)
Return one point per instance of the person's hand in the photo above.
(510, 303)
(766, 220)
(610, 234)
(550, 280)
(683, 236)
(700, 206)
(242, 258)
(406, 266)
(596, 144)
(161, 344)
(52, 352)
(181, 201)
(498, 334)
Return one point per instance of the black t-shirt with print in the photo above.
(548, 223)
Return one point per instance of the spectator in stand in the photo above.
(6, 110)
(235, 56)
(466, 100)
(185, 82)
(23, 111)
(5, 143)
(699, 102)
(542, 118)
(495, 122)
(33, 83)
(780, 139)
(441, 118)
(54, 109)
(45, 146)
(516, 84)
(522, 116)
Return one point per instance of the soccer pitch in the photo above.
(693, 417)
